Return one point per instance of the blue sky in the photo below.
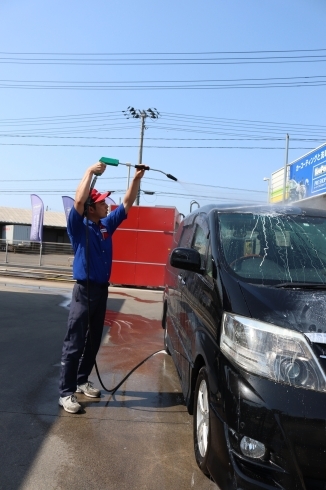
(188, 117)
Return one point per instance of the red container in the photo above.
(141, 246)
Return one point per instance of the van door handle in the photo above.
(183, 282)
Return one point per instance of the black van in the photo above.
(244, 318)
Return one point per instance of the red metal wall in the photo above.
(141, 246)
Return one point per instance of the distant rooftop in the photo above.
(17, 216)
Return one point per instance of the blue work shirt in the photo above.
(99, 244)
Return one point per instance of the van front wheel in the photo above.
(202, 435)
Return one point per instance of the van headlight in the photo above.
(273, 352)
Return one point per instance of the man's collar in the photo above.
(90, 222)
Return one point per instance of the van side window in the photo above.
(176, 236)
(185, 239)
(200, 243)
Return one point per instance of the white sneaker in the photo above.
(88, 390)
(69, 403)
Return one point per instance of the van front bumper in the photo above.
(290, 422)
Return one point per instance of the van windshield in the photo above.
(274, 248)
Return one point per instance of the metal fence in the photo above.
(29, 254)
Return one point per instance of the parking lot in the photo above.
(139, 438)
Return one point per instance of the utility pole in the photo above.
(140, 154)
(141, 114)
(285, 167)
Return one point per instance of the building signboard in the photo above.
(276, 186)
(307, 176)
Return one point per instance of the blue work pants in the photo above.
(80, 346)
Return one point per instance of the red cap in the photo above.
(97, 196)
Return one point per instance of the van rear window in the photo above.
(269, 248)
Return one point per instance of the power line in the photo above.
(237, 121)
(44, 118)
(186, 85)
(128, 82)
(244, 58)
(144, 178)
(214, 128)
(161, 194)
(250, 133)
(179, 116)
(163, 53)
(154, 146)
(238, 131)
(256, 138)
(57, 121)
(220, 129)
(158, 193)
(56, 180)
(94, 126)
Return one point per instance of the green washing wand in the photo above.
(115, 163)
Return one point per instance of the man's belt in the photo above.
(101, 285)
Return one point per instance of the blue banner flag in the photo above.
(37, 218)
(68, 203)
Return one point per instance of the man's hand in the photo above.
(98, 168)
(140, 172)
(82, 191)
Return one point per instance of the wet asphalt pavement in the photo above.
(139, 438)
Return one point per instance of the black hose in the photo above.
(145, 167)
(113, 390)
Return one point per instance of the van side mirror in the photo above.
(186, 258)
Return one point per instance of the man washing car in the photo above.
(92, 273)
